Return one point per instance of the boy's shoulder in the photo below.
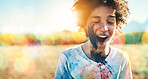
(72, 50)
(119, 53)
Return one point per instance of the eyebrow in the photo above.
(95, 17)
(112, 16)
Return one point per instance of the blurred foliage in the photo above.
(130, 38)
(65, 37)
(139, 37)
(136, 38)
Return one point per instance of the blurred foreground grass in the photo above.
(40, 62)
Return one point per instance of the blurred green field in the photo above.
(39, 62)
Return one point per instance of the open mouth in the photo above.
(101, 39)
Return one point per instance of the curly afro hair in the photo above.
(83, 8)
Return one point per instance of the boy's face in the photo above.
(104, 21)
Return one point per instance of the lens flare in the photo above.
(145, 38)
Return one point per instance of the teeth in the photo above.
(102, 36)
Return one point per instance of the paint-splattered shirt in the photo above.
(74, 63)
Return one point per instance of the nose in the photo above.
(103, 27)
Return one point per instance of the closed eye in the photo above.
(109, 22)
(96, 22)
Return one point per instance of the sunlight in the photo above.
(62, 18)
(52, 18)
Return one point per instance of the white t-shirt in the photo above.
(74, 63)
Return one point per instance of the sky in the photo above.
(138, 9)
(48, 16)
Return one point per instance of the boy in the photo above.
(97, 59)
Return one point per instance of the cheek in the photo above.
(95, 27)
(112, 30)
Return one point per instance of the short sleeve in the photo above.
(126, 73)
(62, 71)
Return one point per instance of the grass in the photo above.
(46, 59)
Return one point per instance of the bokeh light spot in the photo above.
(7, 39)
(24, 64)
(31, 69)
(118, 41)
(31, 52)
(66, 35)
(145, 38)
(3, 62)
(20, 40)
(45, 39)
(79, 37)
(11, 52)
(141, 65)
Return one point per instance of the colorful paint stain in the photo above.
(100, 71)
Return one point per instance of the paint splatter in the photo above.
(92, 72)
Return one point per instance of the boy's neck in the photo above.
(94, 54)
